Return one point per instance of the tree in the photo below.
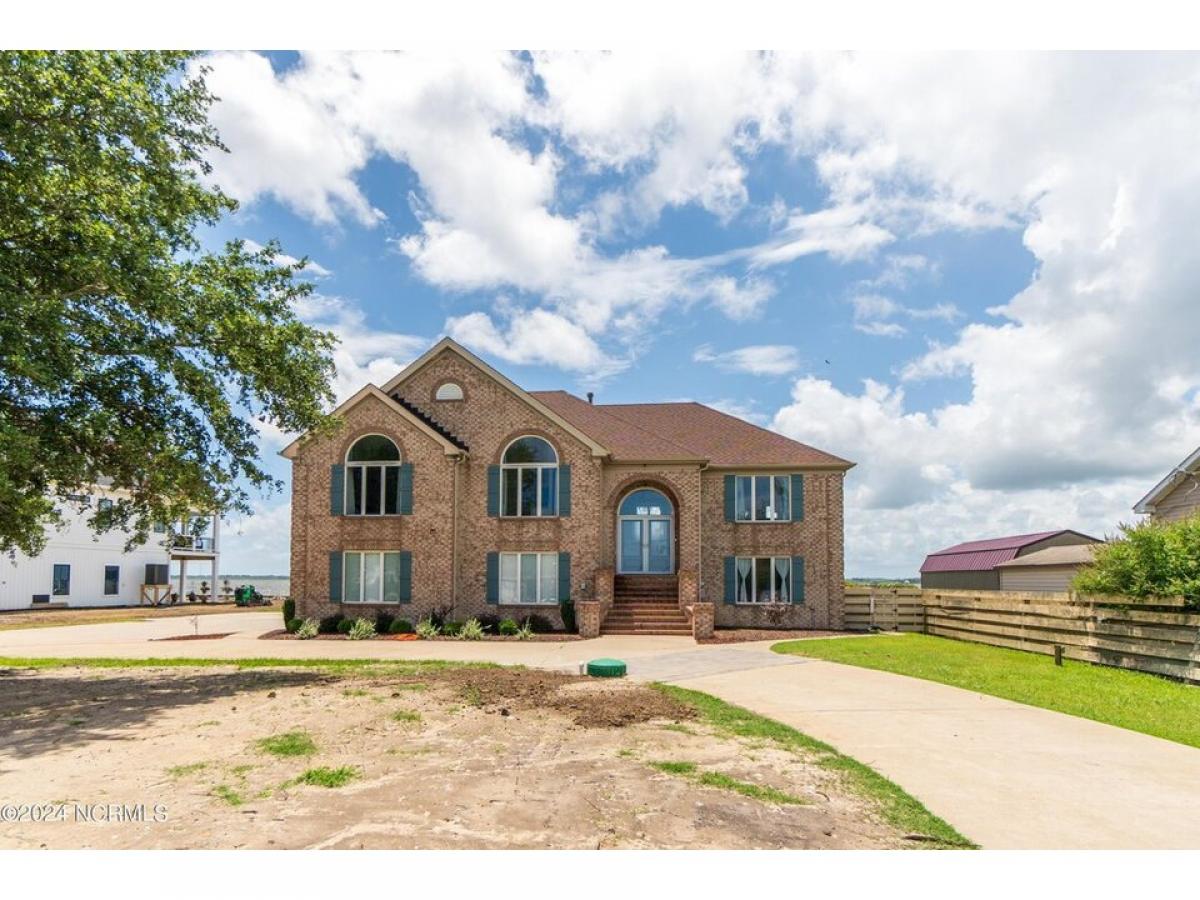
(1151, 559)
(129, 353)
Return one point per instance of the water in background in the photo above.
(266, 585)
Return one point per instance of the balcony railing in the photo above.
(193, 542)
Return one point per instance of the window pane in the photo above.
(61, 580)
(352, 565)
(742, 499)
(528, 577)
(783, 579)
(529, 492)
(530, 450)
(391, 496)
(646, 502)
(391, 577)
(745, 582)
(356, 491)
(374, 491)
(373, 448)
(512, 481)
(762, 579)
(112, 579)
(782, 490)
(549, 577)
(762, 497)
(549, 491)
(508, 578)
(372, 577)
(631, 545)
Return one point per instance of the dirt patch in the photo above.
(196, 637)
(46, 618)
(456, 758)
(740, 635)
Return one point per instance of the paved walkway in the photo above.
(1004, 774)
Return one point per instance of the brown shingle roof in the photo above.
(665, 432)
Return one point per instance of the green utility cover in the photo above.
(606, 668)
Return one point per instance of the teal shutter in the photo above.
(730, 579)
(493, 508)
(404, 502)
(335, 576)
(564, 577)
(730, 490)
(406, 576)
(564, 490)
(493, 578)
(797, 578)
(337, 490)
(797, 498)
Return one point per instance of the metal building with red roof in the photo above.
(973, 565)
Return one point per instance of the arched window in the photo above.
(645, 502)
(373, 477)
(448, 391)
(529, 469)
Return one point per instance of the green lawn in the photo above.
(1133, 700)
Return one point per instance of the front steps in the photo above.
(646, 604)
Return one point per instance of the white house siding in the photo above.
(87, 554)
(1181, 502)
(1037, 578)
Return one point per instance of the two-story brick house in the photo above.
(450, 486)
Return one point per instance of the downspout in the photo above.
(454, 532)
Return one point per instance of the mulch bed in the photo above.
(281, 634)
(739, 635)
(196, 637)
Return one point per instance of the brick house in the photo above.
(451, 486)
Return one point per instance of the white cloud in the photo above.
(873, 314)
(532, 337)
(765, 359)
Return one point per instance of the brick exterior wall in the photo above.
(487, 420)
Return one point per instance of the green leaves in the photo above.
(1152, 559)
(127, 351)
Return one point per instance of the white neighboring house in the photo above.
(81, 568)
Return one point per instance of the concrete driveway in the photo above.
(1004, 774)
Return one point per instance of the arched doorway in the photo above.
(645, 533)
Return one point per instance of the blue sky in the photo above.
(956, 271)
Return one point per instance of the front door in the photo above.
(645, 534)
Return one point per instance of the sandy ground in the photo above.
(451, 759)
(48, 618)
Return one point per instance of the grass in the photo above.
(675, 768)
(332, 666)
(189, 769)
(323, 776)
(725, 783)
(228, 794)
(1134, 700)
(406, 715)
(291, 743)
(894, 805)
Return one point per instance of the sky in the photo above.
(973, 275)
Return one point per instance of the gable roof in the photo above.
(449, 345)
(449, 444)
(686, 432)
(1189, 466)
(1070, 555)
(985, 555)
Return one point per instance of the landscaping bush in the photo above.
(345, 625)
(1151, 559)
(383, 622)
(439, 616)
(426, 629)
(329, 624)
(539, 624)
(361, 630)
(567, 609)
(524, 633)
(508, 626)
(308, 629)
(289, 612)
(293, 625)
(451, 629)
(471, 630)
(401, 626)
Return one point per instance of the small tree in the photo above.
(1151, 559)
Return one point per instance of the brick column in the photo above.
(702, 620)
(587, 618)
(689, 588)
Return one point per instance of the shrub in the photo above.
(539, 623)
(293, 625)
(345, 625)
(401, 626)
(289, 612)
(426, 629)
(567, 609)
(508, 626)
(471, 630)
(361, 630)
(439, 616)
(308, 629)
(383, 622)
(451, 629)
(329, 624)
(1151, 559)
(524, 633)
(490, 622)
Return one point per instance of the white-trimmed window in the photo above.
(529, 478)
(763, 579)
(763, 498)
(373, 477)
(528, 577)
(448, 391)
(371, 577)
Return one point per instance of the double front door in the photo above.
(645, 534)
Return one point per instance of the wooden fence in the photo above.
(1163, 638)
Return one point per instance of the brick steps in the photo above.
(646, 604)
